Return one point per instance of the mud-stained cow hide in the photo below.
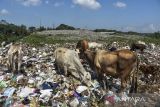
(15, 57)
(68, 61)
(118, 64)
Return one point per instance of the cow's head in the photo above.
(89, 56)
(87, 79)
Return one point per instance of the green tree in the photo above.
(64, 27)
(32, 29)
(41, 28)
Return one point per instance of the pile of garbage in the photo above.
(39, 84)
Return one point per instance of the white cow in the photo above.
(68, 60)
(15, 57)
(95, 45)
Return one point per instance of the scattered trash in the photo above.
(3, 84)
(80, 89)
(9, 92)
(25, 92)
(74, 102)
(40, 85)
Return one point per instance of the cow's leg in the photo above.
(19, 60)
(124, 77)
(59, 70)
(57, 67)
(105, 83)
(65, 71)
(10, 62)
(111, 71)
(123, 84)
(14, 64)
(101, 78)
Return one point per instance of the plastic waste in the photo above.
(47, 93)
(74, 102)
(25, 101)
(31, 83)
(9, 92)
(3, 84)
(34, 102)
(8, 102)
(24, 92)
(54, 90)
(49, 85)
(80, 89)
(55, 104)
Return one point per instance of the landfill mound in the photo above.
(39, 84)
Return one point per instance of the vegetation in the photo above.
(104, 30)
(11, 29)
(32, 29)
(151, 38)
(64, 27)
(13, 33)
(35, 39)
(10, 38)
(155, 35)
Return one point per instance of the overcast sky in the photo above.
(126, 15)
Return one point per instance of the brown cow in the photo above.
(82, 45)
(117, 64)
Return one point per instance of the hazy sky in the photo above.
(135, 15)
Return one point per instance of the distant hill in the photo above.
(64, 27)
(104, 30)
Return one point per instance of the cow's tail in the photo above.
(136, 75)
(134, 83)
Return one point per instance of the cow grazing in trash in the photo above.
(113, 46)
(82, 45)
(68, 61)
(137, 46)
(95, 45)
(15, 57)
(119, 64)
(112, 49)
